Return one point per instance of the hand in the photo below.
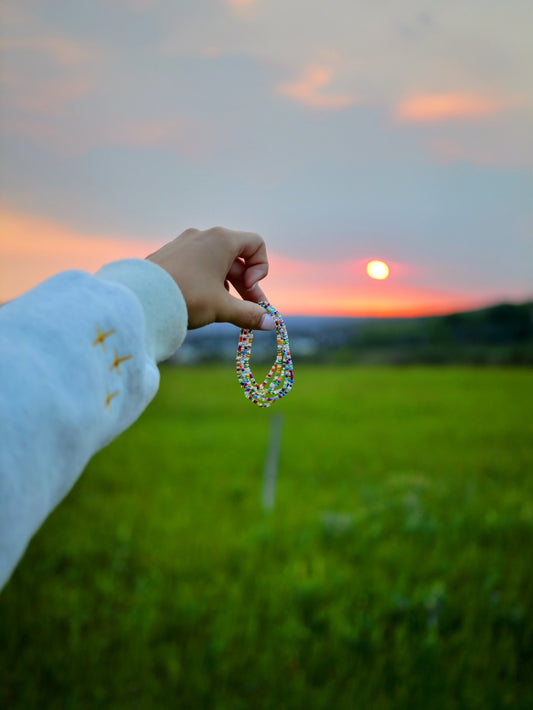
(203, 264)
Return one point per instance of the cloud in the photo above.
(60, 49)
(189, 138)
(139, 5)
(502, 140)
(307, 90)
(242, 9)
(435, 108)
(239, 3)
(46, 74)
(51, 96)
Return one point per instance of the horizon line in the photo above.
(406, 314)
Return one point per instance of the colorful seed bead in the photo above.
(280, 379)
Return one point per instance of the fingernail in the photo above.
(253, 286)
(267, 323)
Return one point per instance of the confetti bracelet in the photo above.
(280, 379)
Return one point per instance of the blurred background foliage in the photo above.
(498, 335)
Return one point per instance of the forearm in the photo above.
(78, 361)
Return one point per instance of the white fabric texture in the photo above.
(78, 358)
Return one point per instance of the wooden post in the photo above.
(271, 463)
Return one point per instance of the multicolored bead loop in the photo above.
(280, 379)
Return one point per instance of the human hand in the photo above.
(204, 263)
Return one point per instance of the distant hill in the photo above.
(500, 334)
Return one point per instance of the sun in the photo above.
(377, 270)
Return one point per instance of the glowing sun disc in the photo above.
(377, 270)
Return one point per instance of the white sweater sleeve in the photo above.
(78, 358)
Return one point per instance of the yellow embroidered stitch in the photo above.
(108, 399)
(117, 362)
(100, 337)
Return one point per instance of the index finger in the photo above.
(252, 249)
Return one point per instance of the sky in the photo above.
(341, 131)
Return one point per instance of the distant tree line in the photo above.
(500, 335)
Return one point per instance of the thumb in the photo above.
(245, 314)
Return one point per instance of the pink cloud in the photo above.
(68, 73)
(61, 49)
(240, 3)
(193, 139)
(52, 96)
(307, 90)
(434, 108)
(242, 9)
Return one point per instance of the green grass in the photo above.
(395, 571)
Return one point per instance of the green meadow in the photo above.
(395, 571)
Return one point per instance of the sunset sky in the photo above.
(341, 131)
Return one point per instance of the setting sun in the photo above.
(377, 270)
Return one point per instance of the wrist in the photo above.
(163, 303)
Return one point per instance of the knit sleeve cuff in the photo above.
(162, 301)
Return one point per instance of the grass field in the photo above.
(394, 572)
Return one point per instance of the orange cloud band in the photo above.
(32, 249)
(430, 108)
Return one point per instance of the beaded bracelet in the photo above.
(280, 379)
